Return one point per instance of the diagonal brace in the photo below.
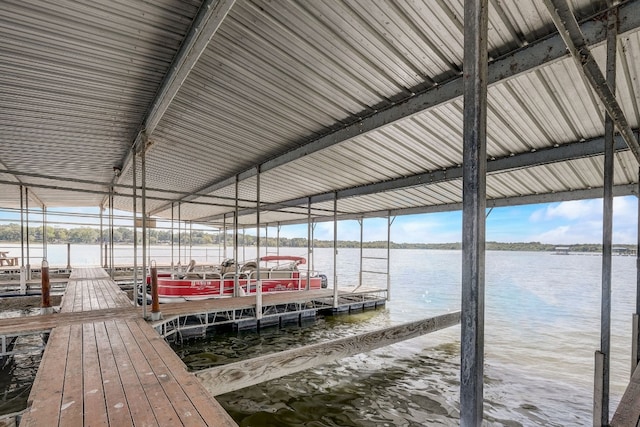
(570, 32)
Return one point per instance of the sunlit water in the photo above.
(542, 328)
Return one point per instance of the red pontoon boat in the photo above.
(277, 273)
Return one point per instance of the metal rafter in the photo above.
(577, 44)
(532, 199)
(565, 152)
(528, 58)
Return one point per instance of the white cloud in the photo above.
(571, 210)
(581, 221)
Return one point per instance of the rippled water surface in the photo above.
(542, 328)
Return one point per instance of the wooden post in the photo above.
(46, 299)
(155, 303)
(68, 256)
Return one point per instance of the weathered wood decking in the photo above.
(105, 366)
(628, 411)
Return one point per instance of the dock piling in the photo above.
(23, 280)
(155, 303)
(46, 299)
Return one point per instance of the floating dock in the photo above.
(103, 364)
(114, 369)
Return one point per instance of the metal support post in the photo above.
(389, 224)
(335, 249)
(308, 283)
(473, 213)
(102, 245)
(23, 270)
(44, 232)
(135, 231)
(601, 391)
(143, 211)
(258, 225)
(111, 260)
(68, 256)
(224, 236)
(26, 204)
(361, 222)
(278, 239)
(172, 237)
(636, 336)
(236, 289)
(313, 254)
(179, 234)
(22, 226)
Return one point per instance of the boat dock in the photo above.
(103, 364)
(109, 369)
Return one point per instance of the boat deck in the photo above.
(104, 365)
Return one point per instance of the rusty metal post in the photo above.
(68, 256)
(155, 302)
(46, 290)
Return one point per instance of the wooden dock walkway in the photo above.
(106, 366)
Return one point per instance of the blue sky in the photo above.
(554, 223)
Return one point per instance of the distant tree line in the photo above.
(124, 235)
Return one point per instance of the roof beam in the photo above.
(574, 38)
(31, 194)
(560, 196)
(205, 25)
(528, 58)
(562, 153)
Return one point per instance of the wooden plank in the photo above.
(94, 400)
(238, 375)
(116, 402)
(210, 410)
(628, 411)
(181, 403)
(46, 394)
(49, 321)
(160, 403)
(137, 401)
(73, 393)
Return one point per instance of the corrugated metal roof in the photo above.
(280, 78)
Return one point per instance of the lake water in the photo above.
(542, 328)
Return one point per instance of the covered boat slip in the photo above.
(251, 114)
(114, 370)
